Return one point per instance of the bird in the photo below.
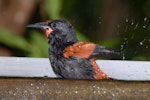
(69, 57)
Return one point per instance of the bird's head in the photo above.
(57, 29)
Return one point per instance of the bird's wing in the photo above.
(80, 49)
(101, 50)
(85, 50)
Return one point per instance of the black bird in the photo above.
(70, 58)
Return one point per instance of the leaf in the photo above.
(53, 7)
(81, 37)
(13, 40)
(39, 45)
(140, 58)
(111, 43)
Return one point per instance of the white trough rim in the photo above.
(40, 67)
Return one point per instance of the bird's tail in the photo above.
(101, 51)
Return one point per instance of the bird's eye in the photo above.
(54, 25)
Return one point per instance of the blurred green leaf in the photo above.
(81, 37)
(39, 45)
(140, 58)
(13, 40)
(111, 43)
(53, 7)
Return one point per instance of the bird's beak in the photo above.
(43, 26)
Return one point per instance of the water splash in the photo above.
(144, 26)
(100, 20)
(145, 19)
(122, 48)
(132, 22)
(127, 20)
(126, 28)
(142, 42)
(136, 26)
(132, 28)
(122, 51)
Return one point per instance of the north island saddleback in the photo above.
(70, 58)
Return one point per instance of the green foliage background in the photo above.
(35, 44)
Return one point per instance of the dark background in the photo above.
(122, 25)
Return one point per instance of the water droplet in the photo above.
(127, 20)
(76, 92)
(113, 95)
(31, 84)
(104, 92)
(132, 23)
(99, 22)
(37, 87)
(123, 56)
(94, 92)
(100, 19)
(66, 92)
(122, 47)
(41, 91)
(141, 43)
(123, 91)
(144, 26)
(14, 94)
(145, 19)
(94, 86)
(136, 26)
